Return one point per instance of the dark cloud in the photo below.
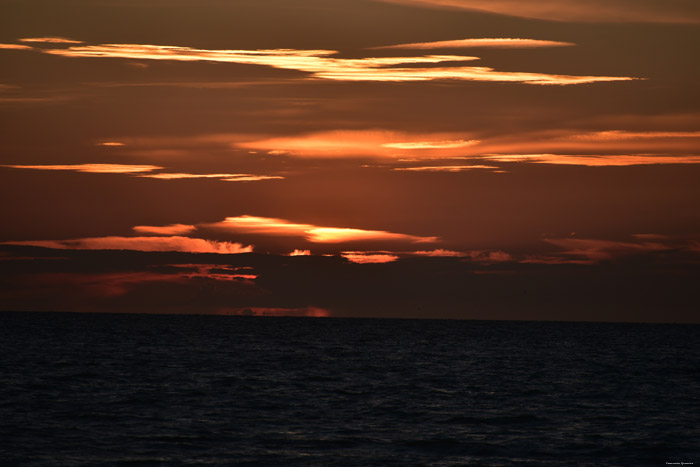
(634, 288)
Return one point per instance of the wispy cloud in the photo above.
(312, 233)
(644, 147)
(92, 168)
(223, 177)
(172, 243)
(215, 272)
(622, 11)
(446, 168)
(321, 65)
(172, 229)
(373, 143)
(51, 40)
(495, 43)
(594, 160)
(15, 47)
(597, 250)
(619, 135)
(141, 169)
(111, 143)
(365, 257)
(440, 253)
(300, 253)
(432, 144)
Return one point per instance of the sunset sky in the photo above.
(500, 159)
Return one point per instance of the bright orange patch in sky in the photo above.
(320, 64)
(312, 233)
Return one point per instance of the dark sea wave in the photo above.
(132, 390)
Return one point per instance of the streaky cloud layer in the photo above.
(92, 168)
(172, 229)
(312, 233)
(353, 143)
(495, 43)
(224, 177)
(445, 168)
(320, 65)
(51, 40)
(598, 250)
(593, 160)
(172, 243)
(431, 144)
(363, 257)
(615, 11)
(15, 47)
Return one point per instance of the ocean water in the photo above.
(148, 390)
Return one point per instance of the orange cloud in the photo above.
(140, 169)
(214, 272)
(15, 47)
(365, 257)
(320, 65)
(623, 11)
(223, 177)
(431, 144)
(172, 243)
(489, 256)
(593, 160)
(353, 143)
(446, 168)
(92, 168)
(172, 229)
(305, 312)
(300, 253)
(496, 43)
(312, 233)
(51, 40)
(439, 253)
(111, 143)
(681, 146)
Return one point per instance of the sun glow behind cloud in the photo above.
(432, 144)
(172, 229)
(372, 143)
(312, 233)
(321, 65)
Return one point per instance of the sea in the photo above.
(162, 390)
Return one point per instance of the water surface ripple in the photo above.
(149, 390)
